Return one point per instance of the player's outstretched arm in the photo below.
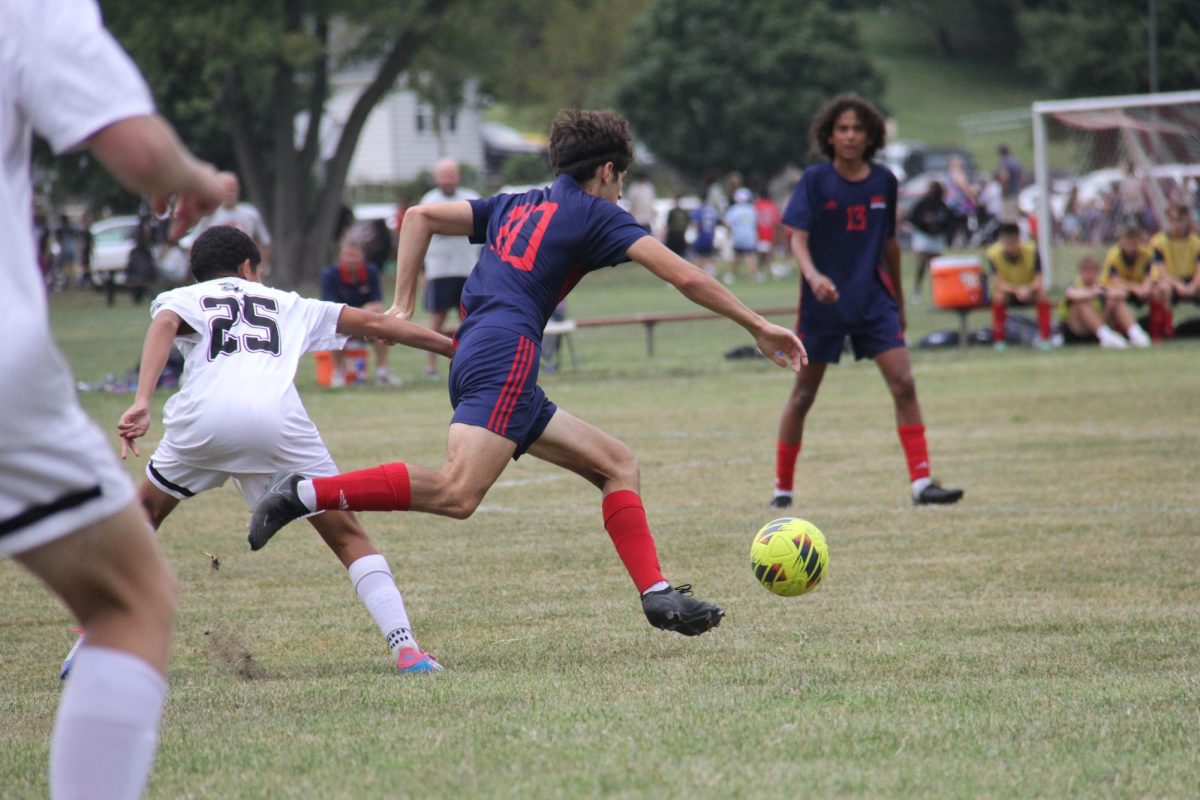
(776, 342)
(145, 155)
(420, 224)
(135, 422)
(381, 327)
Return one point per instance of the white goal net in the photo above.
(1110, 162)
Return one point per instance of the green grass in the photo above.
(1039, 640)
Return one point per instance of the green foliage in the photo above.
(713, 85)
(523, 169)
(1099, 47)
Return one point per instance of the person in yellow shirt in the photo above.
(1177, 262)
(1016, 280)
(1089, 309)
(1128, 269)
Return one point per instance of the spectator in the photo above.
(65, 248)
(377, 243)
(356, 283)
(640, 196)
(767, 218)
(705, 218)
(242, 216)
(1016, 280)
(87, 243)
(678, 221)
(141, 269)
(1177, 263)
(1072, 227)
(962, 198)
(449, 259)
(743, 228)
(714, 195)
(1008, 173)
(1089, 309)
(932, 221)
(1127, 269)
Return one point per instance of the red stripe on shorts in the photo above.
(517, 374)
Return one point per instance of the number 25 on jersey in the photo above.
(254, 310)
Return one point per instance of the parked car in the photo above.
(112, 239)
(937, 159)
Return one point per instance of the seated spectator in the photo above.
(1177, 262)
(356, 283)
(1016, 280)
(678, 221)
(931, 220)
(1088, 309)
(743, 229)
(1127, 268)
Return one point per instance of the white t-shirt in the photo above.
(63, 75)
(243, 216)
(640, 197)
(238, 409)
(450, 256)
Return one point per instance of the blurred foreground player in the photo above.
(842, 218)
(67, 509)
(538, 245)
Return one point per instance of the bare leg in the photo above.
(897, 372)
(475, 458)
(795, 410)
(603, 460)
(344, 535)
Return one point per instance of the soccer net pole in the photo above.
(1041, 168)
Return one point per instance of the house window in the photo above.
(420, 122)
(452, 122)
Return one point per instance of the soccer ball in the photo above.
(789, 556)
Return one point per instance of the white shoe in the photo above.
(384, 377)
(1112, 339)
(337, 380)
(1138, 337)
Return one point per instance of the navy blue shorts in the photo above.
(443, 294)
(493, 385)
(875, 337)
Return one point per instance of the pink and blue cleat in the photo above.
(410, 659)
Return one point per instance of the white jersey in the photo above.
(242, 216)
(238, 410)
(450, 256)
(64, 76)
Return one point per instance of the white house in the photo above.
(400, 138)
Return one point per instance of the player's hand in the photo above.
(903, 318)
(1022, 293)
(399, 312)
(824, 289)
(189, 207)
(134, 424)
(782, 346)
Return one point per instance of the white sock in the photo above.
(658, 587)
(783, 492)
(1138, 335)
(106, 731)
(376, 588)
(919, 485)
(307, 494)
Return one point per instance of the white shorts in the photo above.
(63, 479)
(182, 481)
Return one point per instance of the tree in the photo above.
(713, 85)
(1099, 47)
(234, 75)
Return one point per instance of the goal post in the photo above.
(1153, 140)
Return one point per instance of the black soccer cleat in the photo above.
(780, 501)
(276, 508)
(935, 495)
(674, 609)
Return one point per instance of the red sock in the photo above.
(1168, 322)
(625, 521)
(1043, 311)
(384, 488)
(785, 465)
(1156, 322)
(999, 312)
(912, 439)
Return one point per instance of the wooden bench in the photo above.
(565, 328)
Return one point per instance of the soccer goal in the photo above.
(1109, 162)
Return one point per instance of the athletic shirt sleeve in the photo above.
(76, 79)
(611, 232)
(481, 211)
(320, 323)
(798, 213)
(186, 304)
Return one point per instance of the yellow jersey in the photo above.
(1177, 256)
(1118, 268)
(1016, 272)
(1064, 305)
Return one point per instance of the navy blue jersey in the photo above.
(537, 246)
(354, 288)
(848, 223)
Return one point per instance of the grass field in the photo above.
(1038, 640)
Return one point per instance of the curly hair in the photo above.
(582, 141)
(870, 117)
(219, 250)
